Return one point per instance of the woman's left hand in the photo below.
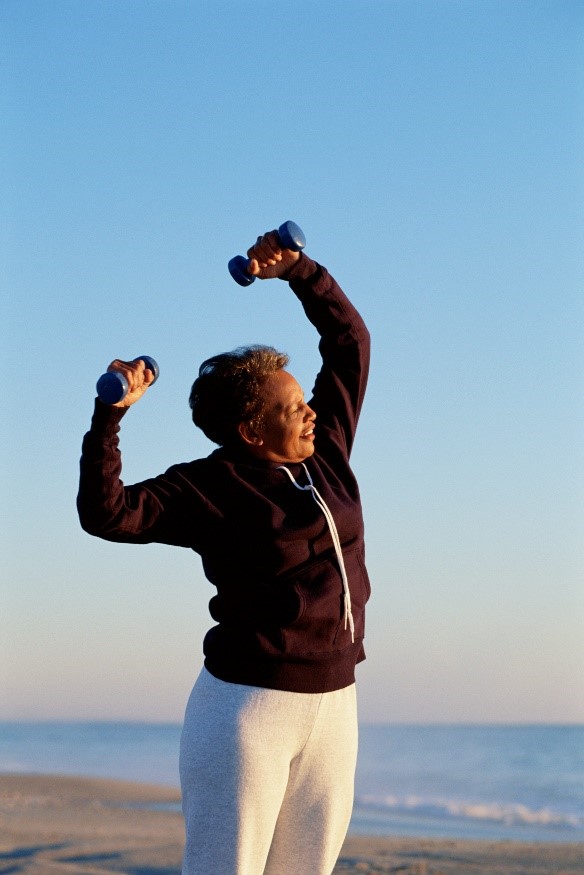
(267, 259)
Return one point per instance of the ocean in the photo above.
(474, 782)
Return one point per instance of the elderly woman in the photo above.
(269, 743)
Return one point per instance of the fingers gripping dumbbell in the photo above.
(113, 386)
(290, 237)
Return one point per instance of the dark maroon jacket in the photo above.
(264, 544)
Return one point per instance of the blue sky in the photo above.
(432, 153)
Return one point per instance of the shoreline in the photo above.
(85, 826)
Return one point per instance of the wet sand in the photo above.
(81, 826)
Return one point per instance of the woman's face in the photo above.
(287, 431)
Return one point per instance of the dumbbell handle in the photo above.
(290, 237)
(113, 386)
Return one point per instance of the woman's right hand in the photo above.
(139, 378)
(267, 259)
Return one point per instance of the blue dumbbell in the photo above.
(113, 386)
(290, 236)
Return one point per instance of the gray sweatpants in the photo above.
(267, 779)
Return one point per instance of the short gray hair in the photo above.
(228, 390)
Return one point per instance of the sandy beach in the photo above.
(80, 826)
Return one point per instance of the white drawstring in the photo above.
(336, 541)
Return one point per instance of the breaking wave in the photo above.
(507, 814)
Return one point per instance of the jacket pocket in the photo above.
(319, 626)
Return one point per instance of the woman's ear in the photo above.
(249, 434)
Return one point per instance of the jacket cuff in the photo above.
(106, 418)
(302, 269)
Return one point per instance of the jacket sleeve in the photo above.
(344, 347)
(167, 509)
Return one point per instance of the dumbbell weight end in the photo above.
(238, 270)
(291, 236)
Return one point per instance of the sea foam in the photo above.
(509, 814)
